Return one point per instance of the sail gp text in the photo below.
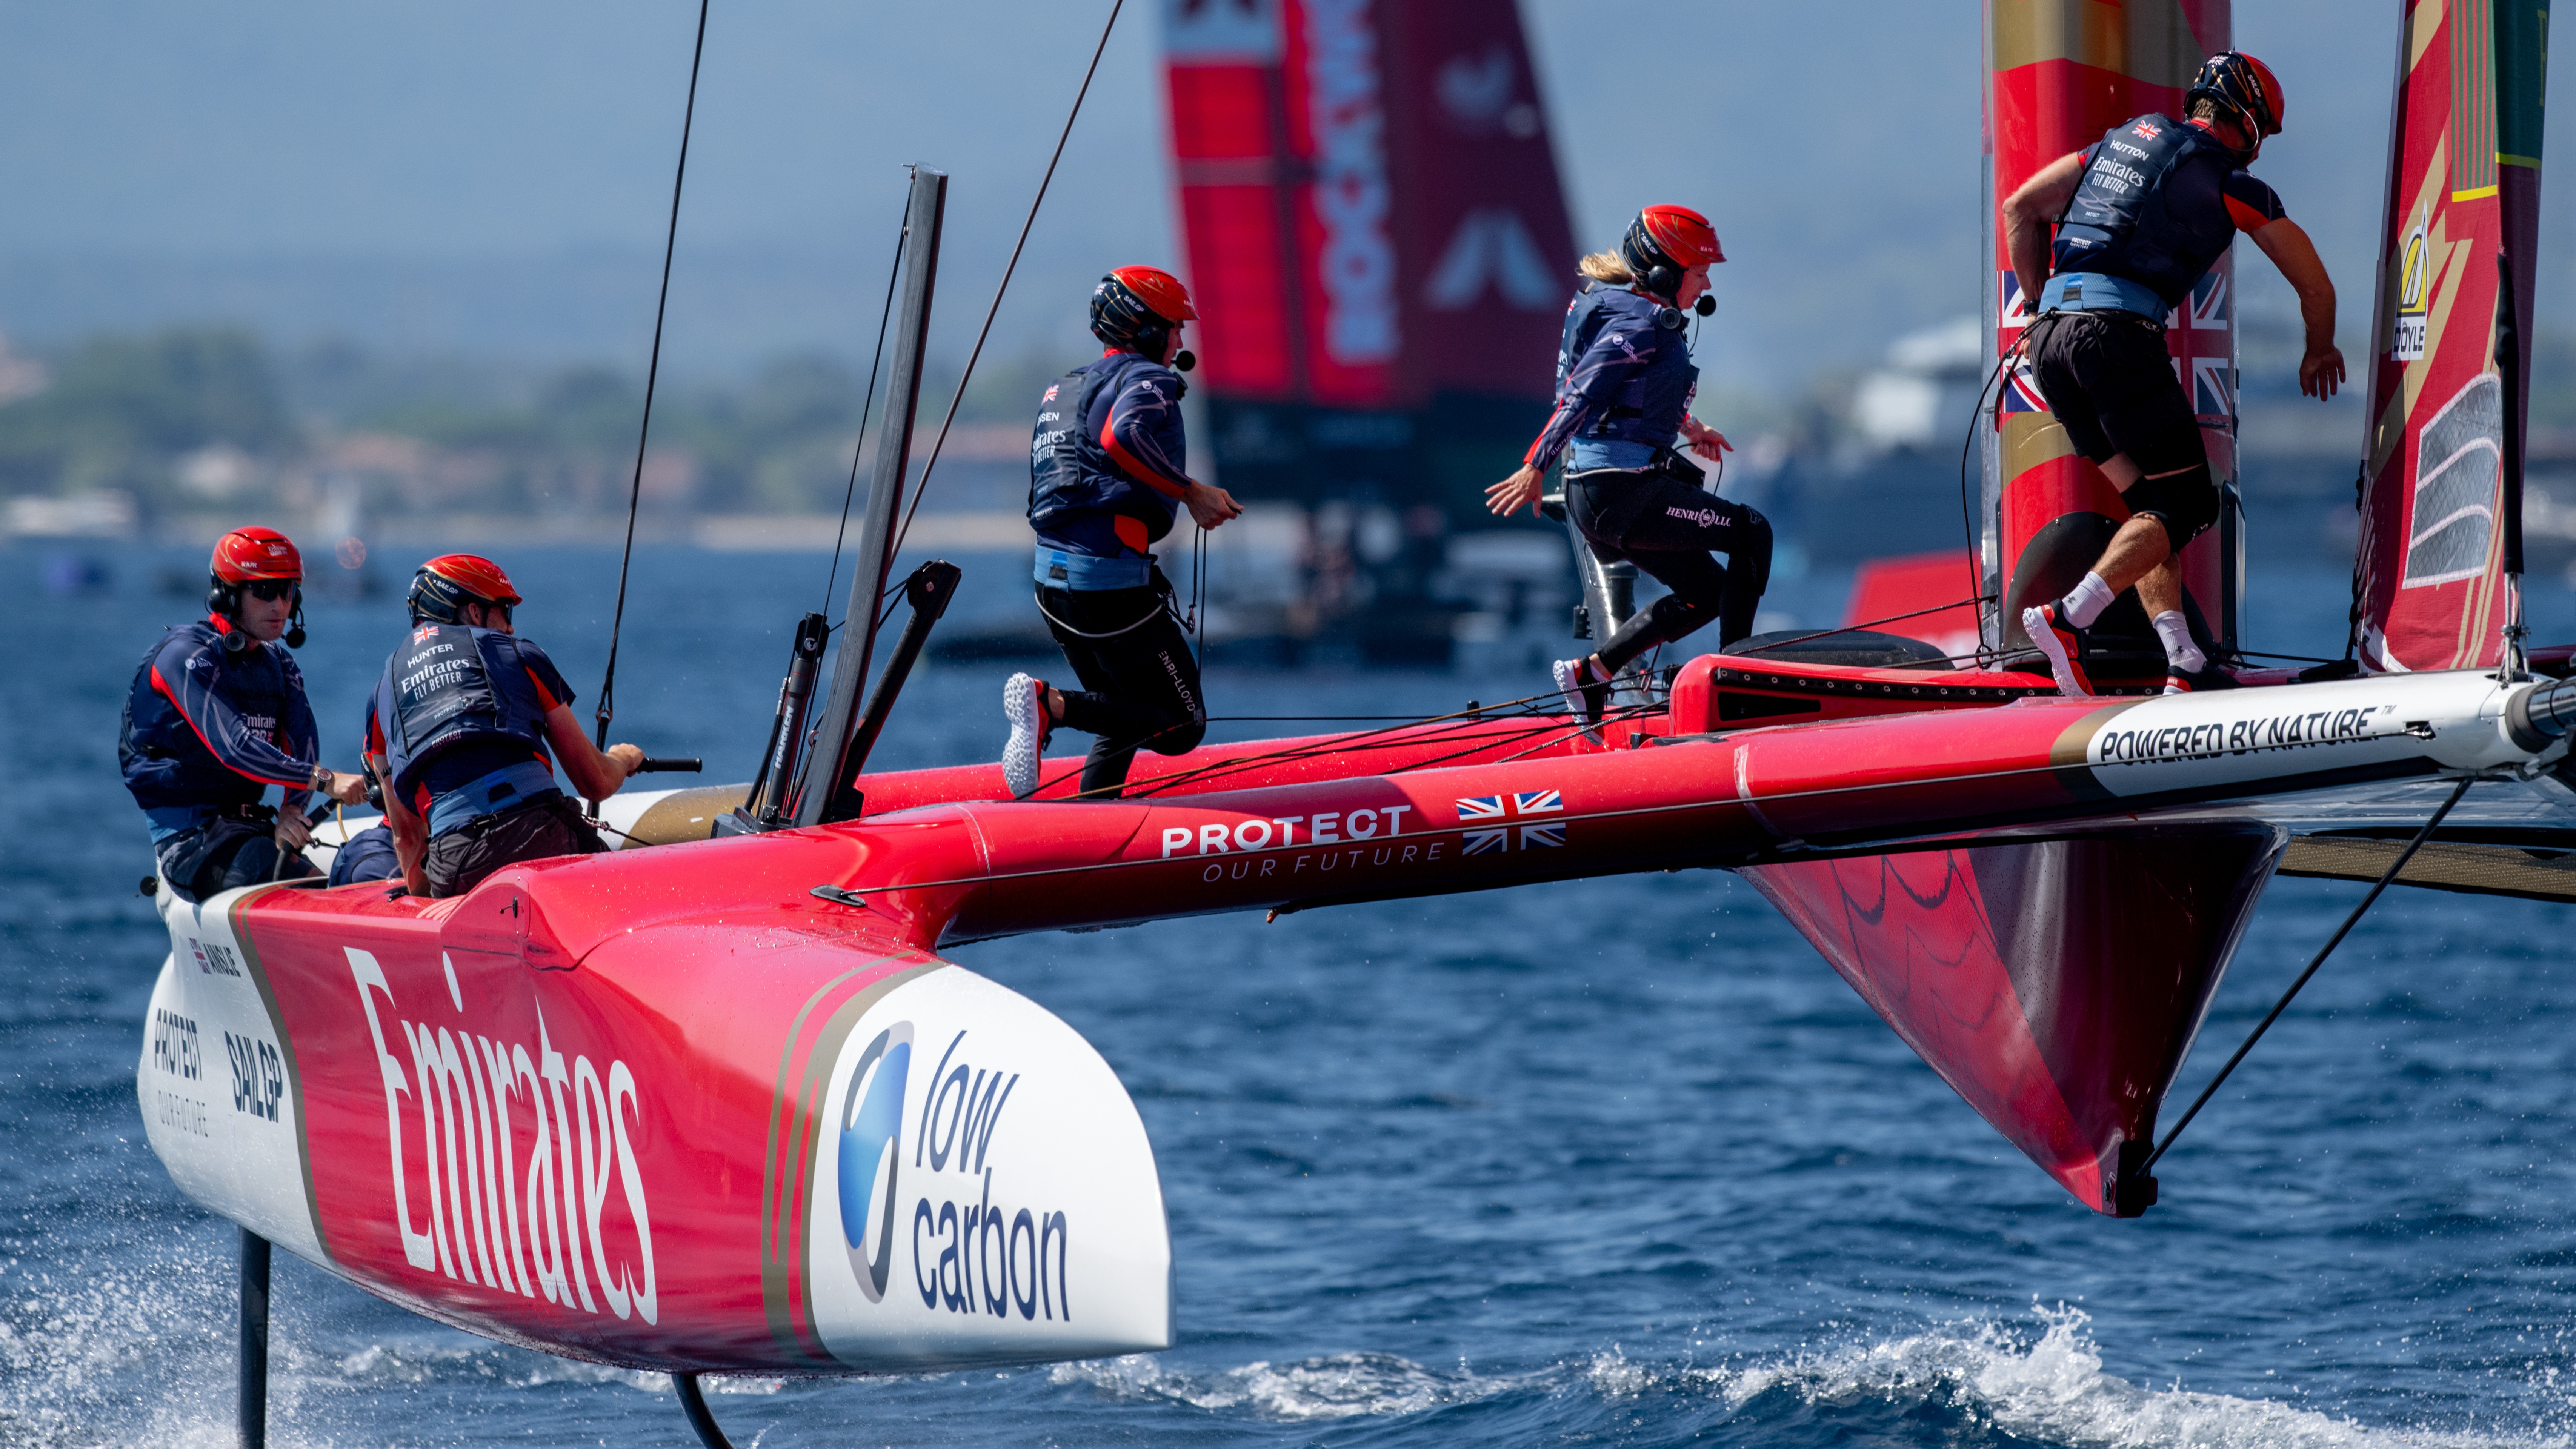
(1362, 836)
(543, 1225)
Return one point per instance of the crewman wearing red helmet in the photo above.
(457, 735)
(1624, 383)
(1107, 477)
(216, 715)
(2138, 217)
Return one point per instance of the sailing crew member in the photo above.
(1107, 477)
(1624, 383)
(217, 715)
(2140, 215)
(457, 735)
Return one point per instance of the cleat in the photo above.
(1587, 690)
(2198, 681)
(2062, 642)
(1024, 705)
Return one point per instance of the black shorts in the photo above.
(2110, 381)
(458, 861)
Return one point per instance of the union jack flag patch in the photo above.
(1500, 815)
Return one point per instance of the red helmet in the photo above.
(1681, 235)
(2240, 83)
(1137, 307)
(442, 587)
(254, 553)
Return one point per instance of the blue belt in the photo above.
(1057, 569)
(2102, 292)
(504, 789)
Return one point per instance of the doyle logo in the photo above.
(872, 1155)
(214, 960)
(1490, 820)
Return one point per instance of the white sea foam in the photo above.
(2050, 1388)
(1334, 1386)
(2054, 1390)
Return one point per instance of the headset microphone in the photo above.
(1706, 306)
(1185, 361)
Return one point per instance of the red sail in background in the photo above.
(2463, 184)
(1375, 234)
(2059, 74)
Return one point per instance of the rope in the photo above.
(885, 315)
(921, 489)
(2314, 962)
(652, 375)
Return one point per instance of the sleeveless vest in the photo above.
(1648, 407)
(1069, 472)
(440, 684)
(2120, 222)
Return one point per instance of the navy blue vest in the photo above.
(1648, 406)
(2150, 207)
(443, 694)
(1069, 472)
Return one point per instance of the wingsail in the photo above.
(2463, 200)
(1376, 239)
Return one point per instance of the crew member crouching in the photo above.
(1106, 480)
(458, 730)
(216, 715)
(1624, 383)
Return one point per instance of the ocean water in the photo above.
(1616, 1162)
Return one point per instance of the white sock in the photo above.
(2086, 601)
(2179, 650)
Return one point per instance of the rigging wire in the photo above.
(2314, 962)
(885, 315)
(1967, 526)
(921, 489)
(652, 374)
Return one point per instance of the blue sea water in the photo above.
(1615, 1162)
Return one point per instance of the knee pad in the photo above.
(2185, 503)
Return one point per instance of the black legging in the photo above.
(1668, 527)
(1140, 687)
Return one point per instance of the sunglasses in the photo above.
(270, 589)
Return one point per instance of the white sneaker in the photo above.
(1024, 705)
(1587, 694)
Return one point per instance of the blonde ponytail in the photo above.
(1607, 267)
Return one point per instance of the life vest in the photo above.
(2122, 221)
(1649, 405)
(443, 693)
(159, 752)
(1069, 471)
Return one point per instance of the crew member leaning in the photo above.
(457, 735)
(1624, 382)
(2140, 215)
(216, 715)
(1107, 477)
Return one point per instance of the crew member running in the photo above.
(2140, 215)
(457, 734)
(1624, 383)
(1107, 476)
(217, 714)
